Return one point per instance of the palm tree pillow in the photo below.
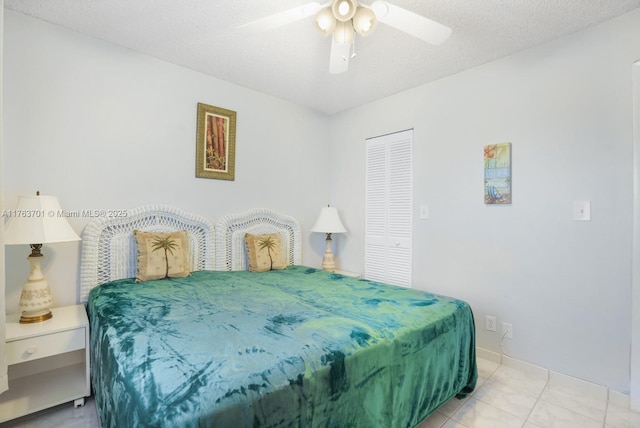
(162, 255)
(264, 252)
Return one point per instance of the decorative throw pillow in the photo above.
(162, 255)
(264, 252)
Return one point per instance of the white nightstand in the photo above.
(347, 273)
(48, 362)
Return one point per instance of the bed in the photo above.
(226, 347)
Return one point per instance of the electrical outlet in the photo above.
(582, 210)
(507, 330)
(490, 323)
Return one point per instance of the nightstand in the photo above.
(48, 362)
(346, 273)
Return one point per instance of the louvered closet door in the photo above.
(389, 207)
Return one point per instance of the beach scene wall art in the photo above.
(497, 174)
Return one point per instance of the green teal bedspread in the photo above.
(294, 348)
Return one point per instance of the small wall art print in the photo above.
(215, 143)
(497, 174)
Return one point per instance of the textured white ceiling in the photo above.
(292, 62)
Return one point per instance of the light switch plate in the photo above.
(582, 210)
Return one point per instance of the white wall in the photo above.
(4, 380)
(567, 108)
(102, 127)
(635, 302)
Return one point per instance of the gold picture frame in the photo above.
(216, 143)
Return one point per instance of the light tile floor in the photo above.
(63, 416)
(505, 397)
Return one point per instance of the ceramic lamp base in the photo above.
(328, 261)
(35, 299)
(30, 318)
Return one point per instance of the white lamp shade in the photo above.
(328, 221)
(324, 21)
(364, 21)
(38, 220)
(344, 10)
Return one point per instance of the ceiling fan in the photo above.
(344, 18)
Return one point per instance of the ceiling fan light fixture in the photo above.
(364, 21)
(344, 32)
(344, 10)
(324, 21)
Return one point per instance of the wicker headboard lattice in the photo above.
(230, 231)
(109, 249)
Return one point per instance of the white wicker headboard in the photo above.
(109, 250)
(230, 231)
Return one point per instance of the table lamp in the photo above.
(37, 220)
(328, 222)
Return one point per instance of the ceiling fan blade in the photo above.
(282, 18)
(339, 58)
(411, 23)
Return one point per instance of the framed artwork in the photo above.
(497, 174)
(215, 143)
